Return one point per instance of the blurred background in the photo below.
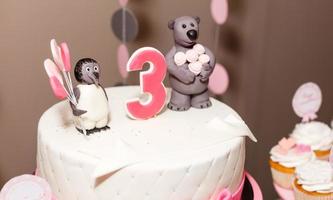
(269, 48)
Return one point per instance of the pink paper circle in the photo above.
(307, 100)
(219, 80)
(122, 3)
(26, 187)
(123, 57)
(219, 10)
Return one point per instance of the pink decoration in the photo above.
(219, 11)
(65, 56)
(307, 101)
(58, 89)
(238, 194)
(302, 148)
(225, 195)
(122, 3)
(151, 82)
(26, 187)
(285, 145)
(284, 194)
(219, 80)
(122, 60)
(257, 194)
(52, 70)
(56, 53)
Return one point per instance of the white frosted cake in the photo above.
(176, 155)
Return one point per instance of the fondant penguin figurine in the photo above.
(92, 109)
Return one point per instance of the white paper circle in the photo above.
(27, 187)
(192, 56)
(180, 58)
(307, 100)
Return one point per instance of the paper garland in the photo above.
(219, 11)
(124, 25)
(219, 80)
(123, 56)
(123, 3)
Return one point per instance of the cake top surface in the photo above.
(169, 135)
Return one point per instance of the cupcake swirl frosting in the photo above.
(315, 176)
(316, 134)
(292, 158)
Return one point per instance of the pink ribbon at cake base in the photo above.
(225, 195)
(257, 194)
(237, 195)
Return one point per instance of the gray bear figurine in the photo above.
(188, 88)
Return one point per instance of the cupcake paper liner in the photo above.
(301, 194)
(282, 179)
(322, 155)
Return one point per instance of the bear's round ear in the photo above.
(197, 19)
(171, 24)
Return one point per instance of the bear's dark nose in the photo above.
(192, 34)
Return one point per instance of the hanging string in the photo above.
(124, 34)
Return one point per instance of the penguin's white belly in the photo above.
(93, 100)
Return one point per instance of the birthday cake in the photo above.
(176, 155)
(146, 141)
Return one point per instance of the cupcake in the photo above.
(315, 134)
(314, 181)
(285, 157)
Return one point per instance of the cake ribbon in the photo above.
(237, 195)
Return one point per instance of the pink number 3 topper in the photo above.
(307, 101)
(151, 83)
